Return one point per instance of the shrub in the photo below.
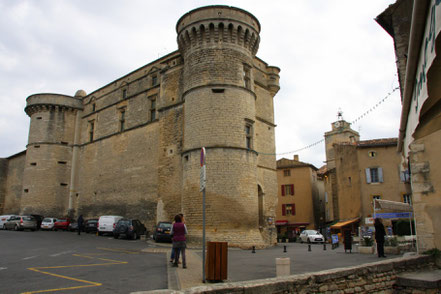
(367, 241)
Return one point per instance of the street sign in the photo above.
(202, 173)
(394, 215)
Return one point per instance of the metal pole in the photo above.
(203, 235)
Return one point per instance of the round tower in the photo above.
(218, 45)
(47, 172)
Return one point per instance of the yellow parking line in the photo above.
(90, 283)
(119, 250)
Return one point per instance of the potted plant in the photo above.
(391, 245)
(366, 245)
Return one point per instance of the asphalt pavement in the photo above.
(244, 265)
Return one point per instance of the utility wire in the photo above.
(353, 122)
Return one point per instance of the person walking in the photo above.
(379, 236)
(179, 232)
(80, 222)
(172, 255)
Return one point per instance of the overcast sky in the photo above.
(332, 54)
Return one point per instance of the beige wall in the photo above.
(11, 177)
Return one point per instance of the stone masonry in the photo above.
(132, 147)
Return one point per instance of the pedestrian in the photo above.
(179, 231)
(172, 255)
(80, 223)
(379, 236)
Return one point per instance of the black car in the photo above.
(73, 227)
(131, 228)
(162, 232)
(91, 225)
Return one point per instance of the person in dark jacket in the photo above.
(179, 230)
(379, 236)
(80, 222)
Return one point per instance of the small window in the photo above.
(374, 175)
(372, 154)
(218, 90)
(286, 172)
(93, 107)
(64, 143)
(288, 209)
(124, 93)
(152, 107)
(26, 190)
(247, 76)
(287, 189)
(39, 117)
(37, 146)
(63, 184)
(33, 163)
(154, 80)
(122, 119)
(407, 198)
(62, 162)
(91, 130)
(249, 136)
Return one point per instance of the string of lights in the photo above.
(353, 122)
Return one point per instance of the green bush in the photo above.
(367, 241)
(392, 241)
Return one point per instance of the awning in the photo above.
(393, 205)
(344, 223)
(281, 222)
(286, 223)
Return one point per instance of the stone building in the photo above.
(132, 147)
(415, 28)
(299, 194)
(359, 172)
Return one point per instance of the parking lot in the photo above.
(48, 261)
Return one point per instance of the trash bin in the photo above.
(216, 264)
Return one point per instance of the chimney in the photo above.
(296, 157)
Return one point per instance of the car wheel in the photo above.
(135, 236)
(115, 236)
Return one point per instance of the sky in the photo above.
(332, 55)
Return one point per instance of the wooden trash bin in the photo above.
(216, 264)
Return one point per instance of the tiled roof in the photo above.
(378, 142)
(289, 163)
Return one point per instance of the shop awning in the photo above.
(393, 205)
(281, 222)
(344, 223)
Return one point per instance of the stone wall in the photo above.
(11, 178)
(377, 277)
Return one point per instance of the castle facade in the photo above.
(133, 147)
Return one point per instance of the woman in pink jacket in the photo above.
(179, 230)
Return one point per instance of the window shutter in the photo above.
(283, 209)
(293, 209)
(380, 175)
(283, 190)
(368, 175)
(292, 189)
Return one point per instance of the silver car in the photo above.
(20, 222)
(311, 236)
(3, 220)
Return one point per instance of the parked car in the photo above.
(39, 219)
(3, 219)
(130, 228)
(91, 225)
(162, 232)
(48, 223)
(62, 224)
(73, 227)
(21, 222)
(311, 236)
(107, 223)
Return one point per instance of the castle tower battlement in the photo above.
(47, 171)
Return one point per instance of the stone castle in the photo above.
(133, 147)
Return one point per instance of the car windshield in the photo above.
(311, 232)
(28, 218)
(47, 220)
(92, 221)
(165, 225)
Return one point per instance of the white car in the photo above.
(3, 219)
(48, 223)
(311, 236)
(107, 223)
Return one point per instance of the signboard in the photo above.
(203, 173)
(394, 215)
(369, 220)
(334, 238)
